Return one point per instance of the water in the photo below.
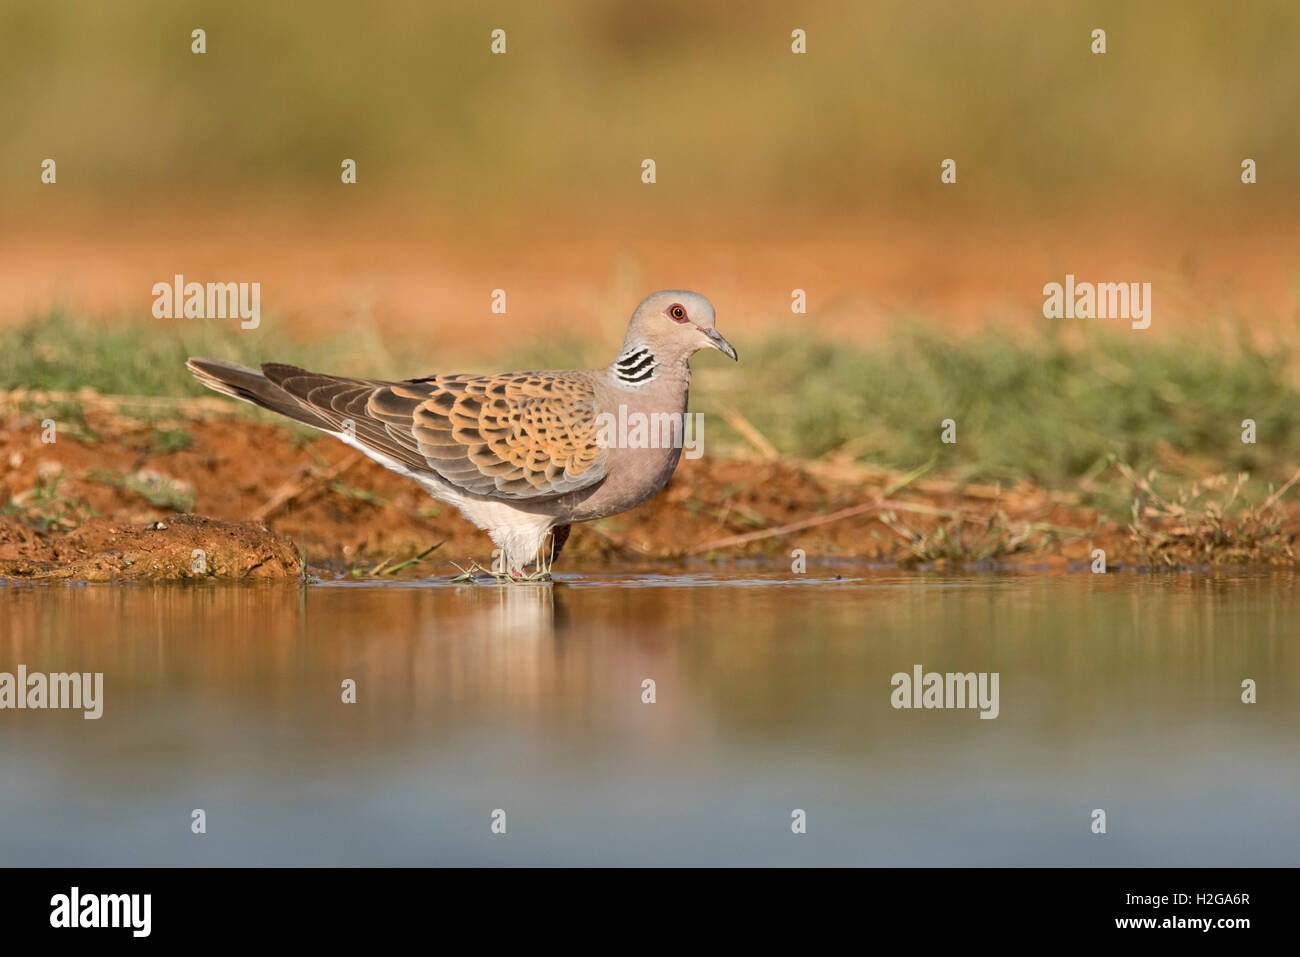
(1118, 692)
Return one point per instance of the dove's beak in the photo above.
(721, 344)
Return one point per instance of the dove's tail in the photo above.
(232, 379)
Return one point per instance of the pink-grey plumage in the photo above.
(521, 454)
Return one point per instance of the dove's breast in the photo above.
(644, 432)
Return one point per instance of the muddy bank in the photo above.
(182, 547)
(87, 505)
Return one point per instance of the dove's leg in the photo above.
(548, 552)
(559, 535)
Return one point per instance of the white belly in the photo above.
(517, 533)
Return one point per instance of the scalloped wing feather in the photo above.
(520, 436)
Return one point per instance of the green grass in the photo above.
(69, 418)
(129, 357)
(158, 490)
(1033, 406)
(45, 508)
(164, 441)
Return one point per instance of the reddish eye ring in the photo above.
(677, 313)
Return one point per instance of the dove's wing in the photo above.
(521, 436)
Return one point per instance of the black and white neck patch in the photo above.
(637, 366)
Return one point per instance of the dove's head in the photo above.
(675, 323)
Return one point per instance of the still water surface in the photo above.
(1118, 692)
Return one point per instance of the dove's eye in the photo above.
(677, 312)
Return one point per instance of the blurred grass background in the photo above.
(711, 91)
